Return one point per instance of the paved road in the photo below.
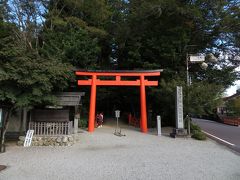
(229, 134)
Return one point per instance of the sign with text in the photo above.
(28, 138)
(117, 113)
(196, 58)
(179, 108)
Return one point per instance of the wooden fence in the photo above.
(51, 128)
(232, 121)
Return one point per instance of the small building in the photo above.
(61, 119)
(223, 111)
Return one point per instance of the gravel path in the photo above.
(103, 156)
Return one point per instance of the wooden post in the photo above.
(92, 107)
(143, 121)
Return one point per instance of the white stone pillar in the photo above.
(75, 131)
(159, 126)
(76, 119)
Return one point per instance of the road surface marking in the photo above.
(218, 138)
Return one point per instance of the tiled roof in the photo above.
(70, 98)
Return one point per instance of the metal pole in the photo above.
(117, 123)
(187, 70)
(188, 84)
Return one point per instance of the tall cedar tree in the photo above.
(26, 78)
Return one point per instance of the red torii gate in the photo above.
(118, 74)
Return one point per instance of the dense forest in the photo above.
(42, 42)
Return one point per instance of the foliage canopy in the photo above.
(41, 42)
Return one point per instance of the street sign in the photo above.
(118, 129)
(28, 138)
(179, 108)
(117, 113)
(196, 58)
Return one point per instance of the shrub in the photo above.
(197, 132)
(195, 127)
(199, 135)
(83, 122)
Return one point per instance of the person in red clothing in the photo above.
(99, 119)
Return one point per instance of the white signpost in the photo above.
(28, 138)
(118, 129)
(179, 108)
(159, 125)
(117, 113)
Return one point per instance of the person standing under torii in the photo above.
(99, 119)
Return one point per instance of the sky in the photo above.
(232, 90)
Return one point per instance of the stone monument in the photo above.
(179, 130)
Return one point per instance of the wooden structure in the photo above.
(70, 98)
(50, 115)
(226, 115)
(51, 128)
(118, 79)
(235, 121)
(53, 121)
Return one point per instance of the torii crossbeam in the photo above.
(118, 80)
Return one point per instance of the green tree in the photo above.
(71, 46)
(157, 34)
(26, 78)
(42, 40)
(233, 106)
(74, 31)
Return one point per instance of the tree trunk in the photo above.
(4, 129)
